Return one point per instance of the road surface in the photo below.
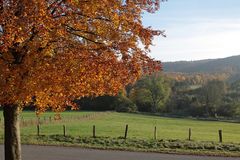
(69, 153)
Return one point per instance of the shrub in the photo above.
(144, 106)
(123, 104)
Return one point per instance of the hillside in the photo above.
(229, 65)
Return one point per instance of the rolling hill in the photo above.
(229, 66)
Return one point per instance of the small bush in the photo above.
(144, 106)
(123, 104)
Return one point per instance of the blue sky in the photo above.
(196, 29)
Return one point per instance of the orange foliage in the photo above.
(53, 51)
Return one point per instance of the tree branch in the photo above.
(81, 36)
(79, 30)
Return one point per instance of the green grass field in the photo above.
(111, 124)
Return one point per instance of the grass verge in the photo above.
(159, 146)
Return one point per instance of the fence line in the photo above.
(220, 135)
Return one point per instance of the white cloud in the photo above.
(198, 39)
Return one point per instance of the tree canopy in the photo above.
(53, 51)
(152, 90)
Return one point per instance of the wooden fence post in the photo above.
(189, 134)
(220, 136)
(38, 120)
(155, 132)
(126, 132)
(64, 130)
(38, 130)
(94, 131)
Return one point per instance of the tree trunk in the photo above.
(154, 107)
(12, 132)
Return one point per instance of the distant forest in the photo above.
(206, 88)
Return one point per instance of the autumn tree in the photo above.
(54, 51)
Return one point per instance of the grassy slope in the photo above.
(112, 125)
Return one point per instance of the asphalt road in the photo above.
(69, 153)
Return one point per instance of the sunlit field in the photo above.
(112, 124)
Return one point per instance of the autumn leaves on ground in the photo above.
(171, 135)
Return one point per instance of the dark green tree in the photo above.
(153, 90)
(212, 96)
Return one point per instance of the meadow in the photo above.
(172, 133)
(112, 124)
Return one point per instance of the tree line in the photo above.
(159, 93)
